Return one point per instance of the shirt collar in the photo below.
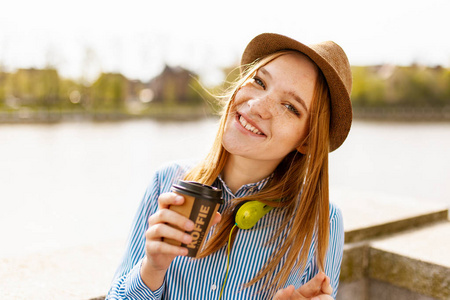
(247, 189)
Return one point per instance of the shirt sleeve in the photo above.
(127, 282)
(335, 248)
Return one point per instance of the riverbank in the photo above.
(402, 114)
(157, 112)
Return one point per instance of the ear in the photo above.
(302, 148)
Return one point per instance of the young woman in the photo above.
(289, 109)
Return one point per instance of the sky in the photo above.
(137, 38)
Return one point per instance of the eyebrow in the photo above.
(265, 72)
(290, 93)
(298, 99)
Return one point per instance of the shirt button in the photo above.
(213, 287)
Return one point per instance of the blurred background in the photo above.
(96, 95)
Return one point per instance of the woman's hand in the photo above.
(318, 288)
(165, 223)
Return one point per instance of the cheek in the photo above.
(229, 132)
(241, 96)
(295, 135)
(292, 141)
(303, 132)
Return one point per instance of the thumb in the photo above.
(216, 219)
(314, 286)
(284, 294)
(326, 286)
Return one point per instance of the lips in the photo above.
(248, 126)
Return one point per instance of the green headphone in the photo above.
(246, 217)
(250, 213)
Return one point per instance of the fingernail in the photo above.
(183, 252)
(179, 199)
(189, 225)
(187, 238)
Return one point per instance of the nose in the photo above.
(262, 107)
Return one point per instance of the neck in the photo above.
(239, 171)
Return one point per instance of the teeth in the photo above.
(248, 126)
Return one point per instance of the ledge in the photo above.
(393, 227)
(411, 274)
(411, 265)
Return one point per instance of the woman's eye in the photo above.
(292, 109)
(259, 82)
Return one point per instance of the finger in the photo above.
(322, 297)
(158, 231)
(326, 286)
(171, 217)
(158, 247)
(284, 294)
(216, 219)
(313, 287)
(167, 199)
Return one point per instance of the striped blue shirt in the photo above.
(195, 279)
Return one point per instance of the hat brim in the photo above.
(341, 108)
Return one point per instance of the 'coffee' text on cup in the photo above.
(199, 222)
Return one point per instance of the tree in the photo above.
(109, 92)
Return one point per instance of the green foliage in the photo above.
(395, 86)
(196, 93)
(109, 91)
(32, 87)
(368, 88)
(373, 87)
(72, 95)
(3, 77)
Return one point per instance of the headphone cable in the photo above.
(228, 261)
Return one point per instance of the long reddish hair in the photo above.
(298, 174)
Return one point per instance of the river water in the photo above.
(78, 183)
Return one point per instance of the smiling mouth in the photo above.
(248, 126)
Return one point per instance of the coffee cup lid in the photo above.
(198, 189)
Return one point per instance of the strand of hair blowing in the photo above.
(297, 172)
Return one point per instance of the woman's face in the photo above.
(270, 114)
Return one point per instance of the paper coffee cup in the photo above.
(201, 203)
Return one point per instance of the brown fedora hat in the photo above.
(333, 62)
